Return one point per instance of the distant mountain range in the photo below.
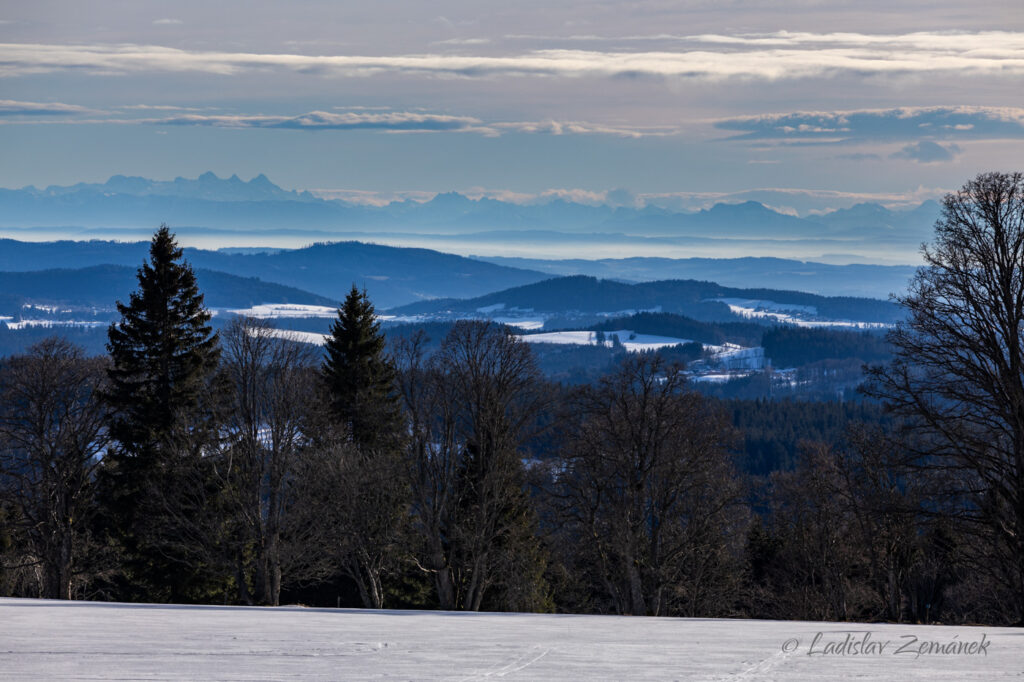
(261, 208)
(250, 211)
(206, 186)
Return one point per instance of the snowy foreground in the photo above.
(48, 640)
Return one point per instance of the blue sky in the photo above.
(827, 102)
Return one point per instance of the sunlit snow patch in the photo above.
(789, 313)
(631, 341)
(519, 322)
(298, 337)
(735, 357)
(25, 324)
(274, 310)
(719, 378)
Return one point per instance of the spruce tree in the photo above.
(157, 484)
(163, 352)
(359, 377)
(368, 495)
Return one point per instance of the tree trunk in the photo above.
(637, 607)
(244, 596)
(442, 576)
(65, 571)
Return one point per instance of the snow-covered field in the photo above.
(790, 313)
(765, 306)
(630, 341)
(521, 323)
(300, 337)
(25, 324)
(47, 640)
(719, 378)
(731, 356)
(276, 310)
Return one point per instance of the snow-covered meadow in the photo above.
(15, 325)
(791, 313)
(630, 340)
(48, 640)
(281, 310)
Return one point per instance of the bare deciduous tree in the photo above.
(648, 488)
(272, 386)
(51, 438)
(851, 534)
(471, 409)
(819, 553)
(958, 373)
(360, 496)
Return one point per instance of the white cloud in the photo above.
(158, 107)
(349, 118)
(951, 122)
(401, 121)
(167, 22)
(927, 151)
(324, 120)
(9, 107)
(582, 128)
(463, 41)
(768, 57)
(993, 42)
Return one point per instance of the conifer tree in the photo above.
(359, 377)
(157, 486)
(362, 448)
(163, 352)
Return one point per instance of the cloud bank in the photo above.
(769, 57)
(882, 124)
(398, 122)
(903, 124)
(10, 107)
(324, 120)
(353, 120)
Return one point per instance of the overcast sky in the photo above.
(833, 102)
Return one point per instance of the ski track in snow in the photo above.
(757, 671)
(50, 640)
(513, 667)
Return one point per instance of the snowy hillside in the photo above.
(46, 640)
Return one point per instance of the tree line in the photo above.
(241, 467)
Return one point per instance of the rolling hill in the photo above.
(696, 299)
(870, 280)
(101, 286)
(391, 275)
